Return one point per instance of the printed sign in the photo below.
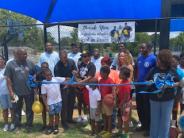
(107, 32)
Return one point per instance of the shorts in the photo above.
(93, 115)
(106, 110)
(124, 111)
(5, 102)
(55, 108)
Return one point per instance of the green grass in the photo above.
(75, 131)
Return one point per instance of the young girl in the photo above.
(5, 101)
(52, 99)
(124, 102)
(162, 103)
(94, 100)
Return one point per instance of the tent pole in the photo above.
(50, 10)
(45, 35)
(165, 25)
(5, 49)
(155, 42)
(59, 39)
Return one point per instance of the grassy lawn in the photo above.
(75, 131)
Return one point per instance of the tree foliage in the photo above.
(22, 31)
(177, 43)
(108, 49)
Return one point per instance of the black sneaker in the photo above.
(28, 129)
(49, 131)
(139, 129)
(43, 128)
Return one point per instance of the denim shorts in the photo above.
(5, 102)
(55, 108)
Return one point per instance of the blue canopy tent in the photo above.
(54, 11)
(69, 12)
(177, 25)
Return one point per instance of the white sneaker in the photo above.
(131, 124)
(9, 114)
(79, 119)
(5, 127)
(139, 124)
(12, 127)
(85, 117)
(23, 113)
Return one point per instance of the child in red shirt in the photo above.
(107, 97)
(124, 100)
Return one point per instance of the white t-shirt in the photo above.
(52, 90)
(75, 57)
(3, 83)
(97, 63)
(94, 97)
(50, 58)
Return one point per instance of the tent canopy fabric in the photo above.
(53, 11)
(177, 25)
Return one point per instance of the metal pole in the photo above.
(45, 35)
(155, 41)
(5, 49)
(59, 39)
(165, 24)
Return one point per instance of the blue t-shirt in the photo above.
(144, 65)
(180, 72)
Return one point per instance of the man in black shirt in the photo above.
(64, 68)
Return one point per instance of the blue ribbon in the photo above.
(159, 84)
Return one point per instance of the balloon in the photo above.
(37, 107)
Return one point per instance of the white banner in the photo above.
(107, 32)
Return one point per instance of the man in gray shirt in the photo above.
(17, 72)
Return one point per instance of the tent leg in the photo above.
(45, 35)
(164, 34)
(165, 24)
(155, 41)
(59, 39)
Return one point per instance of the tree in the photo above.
(109, 48)
(20, 33)
(177, 43)
(139, 38)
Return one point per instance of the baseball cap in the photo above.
(85, 53)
